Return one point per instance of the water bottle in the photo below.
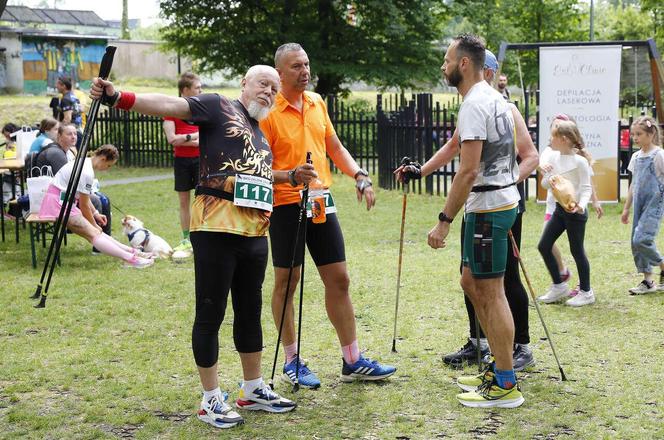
(316, 198)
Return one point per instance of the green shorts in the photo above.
(485, 242)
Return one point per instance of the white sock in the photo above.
(248, 386)
(207, 395)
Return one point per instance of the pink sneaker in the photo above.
(574, 291)
(139, 262)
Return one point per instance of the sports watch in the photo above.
(361, 172)
(442, 217)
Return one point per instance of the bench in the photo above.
(39, 225)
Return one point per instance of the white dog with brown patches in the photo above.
(143, 239)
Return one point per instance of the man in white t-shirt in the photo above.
(485, 186)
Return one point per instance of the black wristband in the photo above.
(110, 101)
(291, 177)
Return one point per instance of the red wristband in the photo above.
(126, 101)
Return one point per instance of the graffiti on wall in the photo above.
(44, 60)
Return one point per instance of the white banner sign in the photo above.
(583, 82)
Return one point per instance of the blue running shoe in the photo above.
(306, 378)
(365, 369)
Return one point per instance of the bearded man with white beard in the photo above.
(229, 223)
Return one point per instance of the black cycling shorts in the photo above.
(186, 170)
(324, 240)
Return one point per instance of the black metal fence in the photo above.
(140, 139)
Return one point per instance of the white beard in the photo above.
(258, 111)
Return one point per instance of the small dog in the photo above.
(142, 239)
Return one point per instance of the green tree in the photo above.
(382, 42)
(521, 21)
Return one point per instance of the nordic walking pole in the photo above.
(305, 197)
(403, 227)
(539, 312)
(478, 349)
(72, 185)
(303, 210)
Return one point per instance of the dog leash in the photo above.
(117, 208)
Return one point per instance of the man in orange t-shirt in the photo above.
(300, 123)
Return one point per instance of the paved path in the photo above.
(105, 183)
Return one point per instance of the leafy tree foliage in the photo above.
(382, 42)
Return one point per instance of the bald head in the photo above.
(260, 86)
(260, 69)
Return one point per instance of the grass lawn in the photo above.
(110, 355)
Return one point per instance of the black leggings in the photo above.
(575, 225)
(224, 262)
(515, 293)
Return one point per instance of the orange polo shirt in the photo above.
(291, 134)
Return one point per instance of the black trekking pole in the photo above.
(302, 218)
(305, 196)
(532, 294)
(60, 228)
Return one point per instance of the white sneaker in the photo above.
(582, 298)
(218, 413)
(555, 293)
(644, 287)
(138, 262)
(263, 398)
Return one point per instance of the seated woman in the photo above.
(48, 133)
(84, 221)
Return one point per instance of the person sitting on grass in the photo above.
(84, 221)
(646, 192)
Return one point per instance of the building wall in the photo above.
(142, 59)
(11, 63)
(45, 59)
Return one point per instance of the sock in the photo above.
(351, 353)
(108, 246)
(185, 234)
(505, 379)
(564, 272)
(525, 347)
(248, 386)
(207, 395)
(122, 245)
(484, 343)
(291, 351)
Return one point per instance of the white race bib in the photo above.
(252, 192)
